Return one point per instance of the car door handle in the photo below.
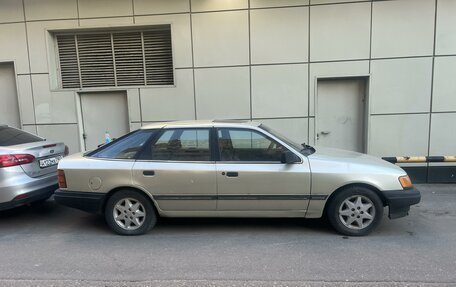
(325, 133)
(149, 172)
(232, 174)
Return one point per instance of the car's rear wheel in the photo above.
(355, 211)
(129, 212)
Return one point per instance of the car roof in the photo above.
(202, 123)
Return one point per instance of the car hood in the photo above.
(352, 160)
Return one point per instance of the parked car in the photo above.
(28, 167)
(230, 169)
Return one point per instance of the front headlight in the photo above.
(405, 181)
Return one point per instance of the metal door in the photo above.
(340, 117)
(101, 113)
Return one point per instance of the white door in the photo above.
(9, 108)
(340, 117)
(101, 113)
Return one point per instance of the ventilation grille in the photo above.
(69, 69)
(109, 59)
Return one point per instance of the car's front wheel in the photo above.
(355, 211)
(128, 212)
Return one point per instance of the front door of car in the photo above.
(251, 176)
(176, 169)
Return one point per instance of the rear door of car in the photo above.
(178, 170)
(250, 175)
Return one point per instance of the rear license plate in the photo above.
(47, 162)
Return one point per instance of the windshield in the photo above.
(302, 148)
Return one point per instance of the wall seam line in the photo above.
(432, 79)
(193, 58)
(29, 66)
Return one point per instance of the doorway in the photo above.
(9, 109)
(341, 113)
(103, 112)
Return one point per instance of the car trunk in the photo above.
(46, 152)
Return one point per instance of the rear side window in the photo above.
(11, 136)
(126, 147)
(182, 145)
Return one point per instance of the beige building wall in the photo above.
(259, 60)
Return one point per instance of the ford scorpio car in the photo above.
(230, 169)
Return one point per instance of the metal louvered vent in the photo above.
(116, 58)
(69, 68)
(158, 56)
(129, 59)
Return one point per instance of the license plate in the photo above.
(47, 162)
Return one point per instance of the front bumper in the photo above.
(29, 197)
(86, 201)
(399, 201)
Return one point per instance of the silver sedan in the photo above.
(230, 169)
(28, 167)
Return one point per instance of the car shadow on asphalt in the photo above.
(56, 218)
(316, 226)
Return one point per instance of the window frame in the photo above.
(216, 143)
(145, 154)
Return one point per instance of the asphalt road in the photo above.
(51, 245)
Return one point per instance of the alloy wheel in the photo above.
(357, 212)
(129, 213)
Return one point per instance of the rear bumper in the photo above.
(86, 201)
(399, 201)
(29, 197)
(14, 182)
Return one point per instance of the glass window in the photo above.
(182, 145)
(247, 145)
(11, 136)
(125, 147)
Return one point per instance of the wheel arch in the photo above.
(365, 185)
(114, 190)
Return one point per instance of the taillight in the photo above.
(7, 160)
(61, 178)
(67, 151)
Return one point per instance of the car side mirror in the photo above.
(289, 157)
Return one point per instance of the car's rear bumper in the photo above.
(14, 182)
(399, 201)
(29, 197)
(87, 201)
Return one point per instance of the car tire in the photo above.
(355, 211)
(129, 212)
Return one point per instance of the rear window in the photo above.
(11, 136)
(125, 147)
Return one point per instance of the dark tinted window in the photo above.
(182, 145)
(126, 147)
(11, 136)
(247, 145)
